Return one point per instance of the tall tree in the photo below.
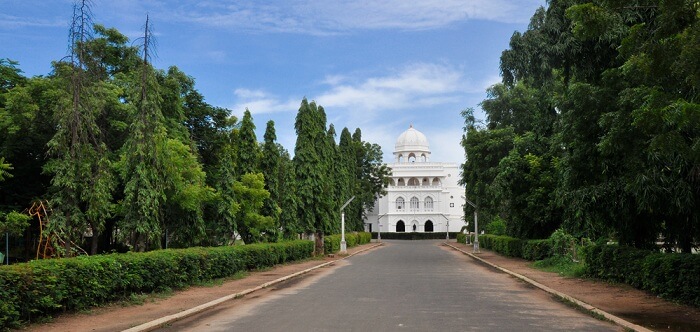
(309, 170)
(270, 166)
(142, 158)
(248, 148)
(82, 182)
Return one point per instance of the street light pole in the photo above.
(343, 244)
(476, 226)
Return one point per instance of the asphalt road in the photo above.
(406, 286)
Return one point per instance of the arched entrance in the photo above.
(400, 226)
(428, 226)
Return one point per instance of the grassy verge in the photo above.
(562, 266)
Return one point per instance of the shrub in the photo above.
(672, 276)
(331, 243)
(414, 236)
(42, 288)
(496, 227)
(536, 250)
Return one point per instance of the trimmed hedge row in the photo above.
(414, 236)
(41, 288)
(672, 276)
(331, 243)
(528, 249)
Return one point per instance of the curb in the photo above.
(577, 302)
(160, 322)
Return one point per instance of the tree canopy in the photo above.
(595, 126)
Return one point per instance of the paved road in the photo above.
(407, 286)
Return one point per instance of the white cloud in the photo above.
(259, 101)
(341, 16)
(420, 84)
(14, 22)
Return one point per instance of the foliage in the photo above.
(496, 227)
(595, 126)
(251, 194)
(31, 291)
(13, 222)
(135, 155)
(672, 276)
(331, 243)
(415, 236)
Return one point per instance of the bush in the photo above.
(45, 287)
(672, 276)
(496, 227)
(535, 250)
(414, 236)
(331, 243)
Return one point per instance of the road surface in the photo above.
(402, 286)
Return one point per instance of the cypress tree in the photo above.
(142, 162)
(310, 171)
(248, 150)
(270, 166)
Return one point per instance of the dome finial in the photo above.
(410, 125)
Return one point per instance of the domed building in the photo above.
(422, 196)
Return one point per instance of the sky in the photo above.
(380, 66)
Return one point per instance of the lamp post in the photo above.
(343, 244)
(476, 225)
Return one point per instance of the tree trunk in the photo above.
(319, 244)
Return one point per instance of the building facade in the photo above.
(422, 196)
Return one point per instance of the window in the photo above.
(452, 204)
(399, 203)
(428, 203)
(415, 203)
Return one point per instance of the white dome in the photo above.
(412, 143)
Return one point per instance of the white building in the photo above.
(423, 196)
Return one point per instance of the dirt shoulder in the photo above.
(118, 317)
(633, 305)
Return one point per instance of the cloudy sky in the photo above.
(376, 65)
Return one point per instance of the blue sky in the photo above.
(376, 65)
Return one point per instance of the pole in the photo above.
(343, 244)
(476, 232)
(476, 225)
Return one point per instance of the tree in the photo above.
(247, 146)
(251, 194)
(309, 171)
(270, 165)
(82, 181)
(142, 159)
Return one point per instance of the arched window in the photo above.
(415, 203)
(436, 181)
(428, 226)
(400, 203)
(400, 158)
(400, 227)
(423, 158)
(411, 158)
(426, 182)
(400, 182)
(413, 182)
(428, 203)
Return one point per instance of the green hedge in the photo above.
(528, 249)
(42, 288)
(331, 243)
(415, 236)
(672, 276)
